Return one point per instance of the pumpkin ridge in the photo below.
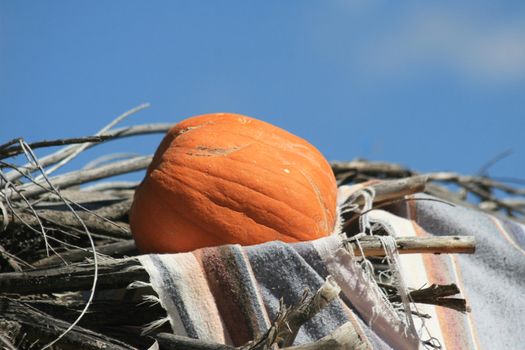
(300, 213)
(282, 141)
(262, 169)
(313, 161)
(303, 185)
(175, 209)
(214, 201)
(318, 196)
(189, 218)
(287, 149)
(315, 165)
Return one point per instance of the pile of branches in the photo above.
(61, 235)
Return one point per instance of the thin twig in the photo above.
(116, 134)
(385, 204)
(6, 343)
(17, 149)
(91, 242)
(480, 186)
(113, 274)
(82, 176)
(77, 149)
(117, 249)
(42, 327)
(483, 170)
(290, 319)
(434, 295)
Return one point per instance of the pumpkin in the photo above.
(227, 178)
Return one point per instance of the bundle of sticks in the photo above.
(59, 240)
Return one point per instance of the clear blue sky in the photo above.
(432, 85)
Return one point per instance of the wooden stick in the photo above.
(74, 178)
(372, 245)
(119, 230)
(17, 149)
(103, 313)
(436, 294)
(374, 168)
(116, 250)
(113, 134)
(40, 328)
(6, 343)
(387, 190)
(291, 318)
(303, 312)
(480, 186)
(111, 275)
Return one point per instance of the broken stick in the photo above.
(372, 245)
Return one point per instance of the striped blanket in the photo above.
(230, 294)
(492, 280)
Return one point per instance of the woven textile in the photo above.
(230, 294)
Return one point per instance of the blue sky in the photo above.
(432, 85)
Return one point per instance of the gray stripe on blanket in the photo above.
(282, 272)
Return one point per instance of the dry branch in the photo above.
(74, 178)
(433, 295)
(42, 328)
(388, 190)
(103, 313)
(372, 246)
(116, 250)
(14, 149)
(290, 319)
(372, 168)
(68, 219)
(303, 312)
(481, 187)
(112, 274)
(64, 153)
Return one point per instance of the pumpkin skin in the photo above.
(230, 179)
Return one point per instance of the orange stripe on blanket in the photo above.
(413, 272)
(460, 284)
(441, 269)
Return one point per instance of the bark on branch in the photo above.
(74, 178)
(437, 295)
(42, 328)
(372, 245)
(111, 275)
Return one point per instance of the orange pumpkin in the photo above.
(227, 178)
